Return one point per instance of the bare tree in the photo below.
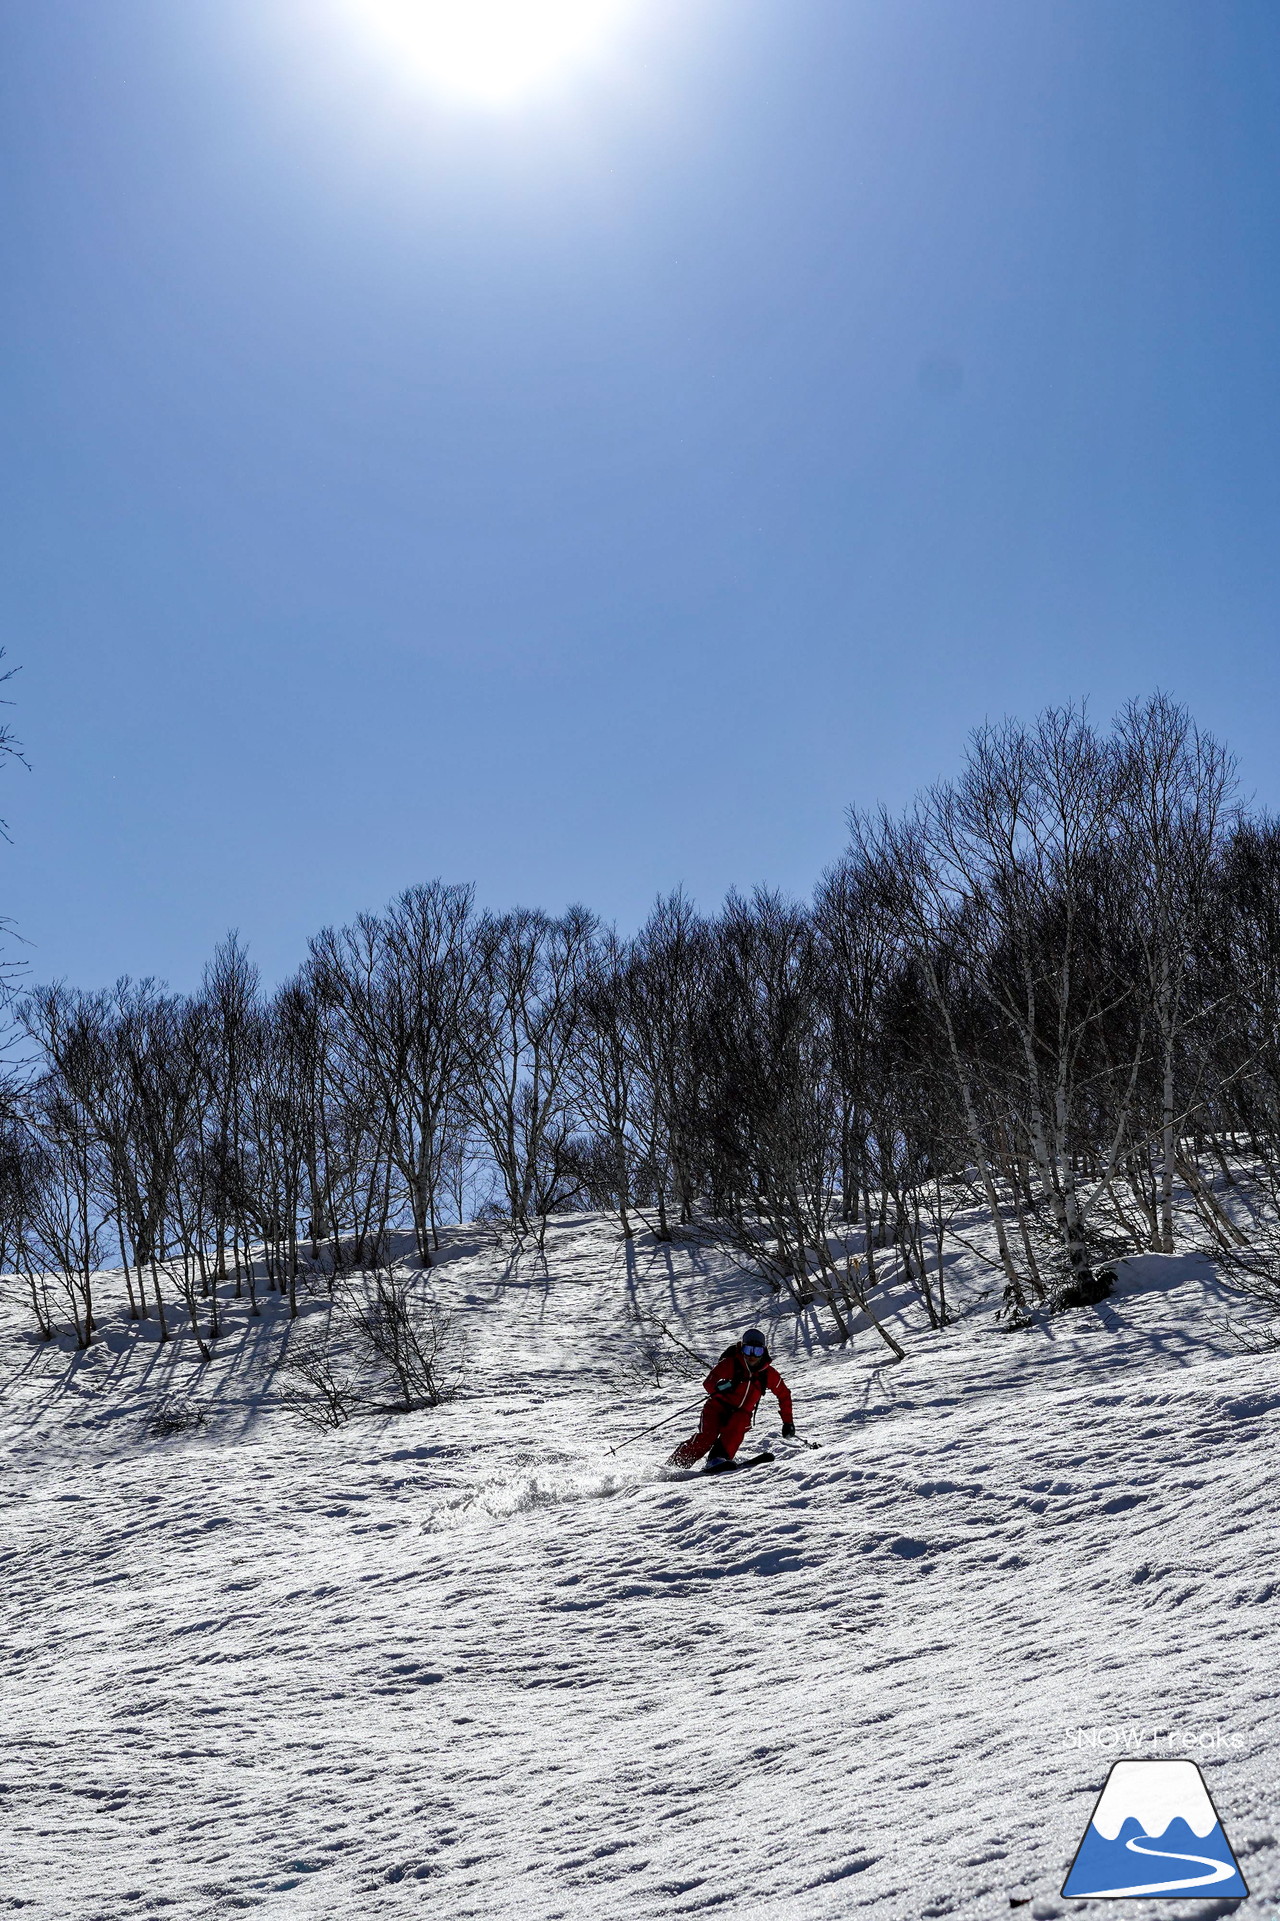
(667, 981)
(1174, 798)
(61, 1218)
(1023, 838)
(522, 1046)
(603, 1079)
(406, 985)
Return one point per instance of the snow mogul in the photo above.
(734, 1388)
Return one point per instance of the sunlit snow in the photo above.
(469, 1662)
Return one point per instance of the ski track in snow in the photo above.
(464, 1660)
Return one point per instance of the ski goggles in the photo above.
(751, 1348)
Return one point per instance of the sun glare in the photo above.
(493, 50)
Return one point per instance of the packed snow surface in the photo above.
(468, 1661)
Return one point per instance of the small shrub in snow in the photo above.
(1255, 1340)
(175, 1414)
(386, 1343)
(318, 1386)
(658, 1356)
(402, 1335)
(1253, 1271)
(1088, 1292)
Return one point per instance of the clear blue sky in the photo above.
(603, 491)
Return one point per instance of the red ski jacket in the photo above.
(736, 1383)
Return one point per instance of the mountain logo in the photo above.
(1154, 1831)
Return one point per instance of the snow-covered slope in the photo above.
(467, 1662)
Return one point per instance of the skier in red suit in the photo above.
(734, 1387)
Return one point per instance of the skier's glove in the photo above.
(789, 1428)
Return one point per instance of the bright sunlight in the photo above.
(493, 50)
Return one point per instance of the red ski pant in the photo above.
(719, 1423)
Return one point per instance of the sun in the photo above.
(492, 50)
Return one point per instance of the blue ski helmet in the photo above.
(754, 1338)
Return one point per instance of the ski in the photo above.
(732, 1467)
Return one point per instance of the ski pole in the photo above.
(657, 1424)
